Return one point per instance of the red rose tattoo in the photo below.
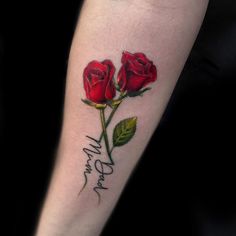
(98, 81)
(136, 72)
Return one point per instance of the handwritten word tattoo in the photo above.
(101, 89)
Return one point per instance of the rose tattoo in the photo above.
(136, 72)
(98, 81)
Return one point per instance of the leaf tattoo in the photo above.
(124, 131)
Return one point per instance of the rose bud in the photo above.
(136, 72)
(98, 81)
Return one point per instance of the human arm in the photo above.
(165, 33)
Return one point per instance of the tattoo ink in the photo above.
(94, 149)
(135, 73)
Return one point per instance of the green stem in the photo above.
(111, 149)
(102, 115)
(109, 120)
(122, 96)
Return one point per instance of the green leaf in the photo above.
(138, 93)
(92, 104)
(124, 131)
(88, 102)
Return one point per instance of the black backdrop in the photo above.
(185, 181)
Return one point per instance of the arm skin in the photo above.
(165, 31)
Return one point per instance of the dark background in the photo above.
(185, 182)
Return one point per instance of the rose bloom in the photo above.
(98, 81)
(136, 72)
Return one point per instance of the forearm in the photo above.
(87, 181)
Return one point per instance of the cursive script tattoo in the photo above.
(94, 148)
(103, 169)
(135, 73)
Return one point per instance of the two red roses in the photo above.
(135, 73)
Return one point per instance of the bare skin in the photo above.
(165, 31)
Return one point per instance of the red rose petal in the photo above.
(135, 67)
(86, 86)
(110, 66)
(110, 92)
(135, 82)
(121, 78)
(141, 56)
(97, 92)
(96, 65)
(127, 56)
(95, 78)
